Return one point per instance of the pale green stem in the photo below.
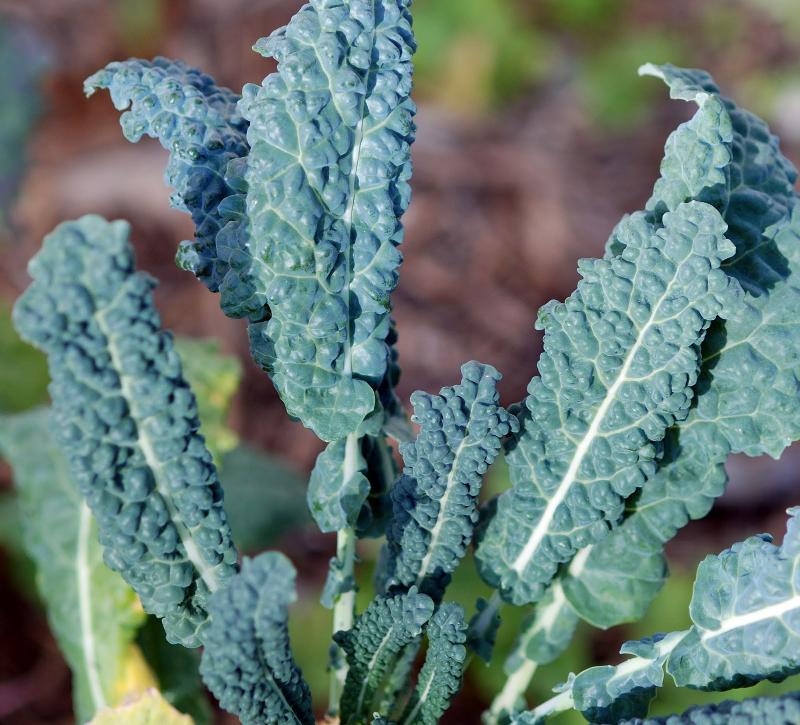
(516, 685)
(345, 602)
(561, 702)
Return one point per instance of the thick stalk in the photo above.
(345, 602)
(516, 685)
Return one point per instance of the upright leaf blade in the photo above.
(327, 182)
(198, 123)
(93, 614)
(746, 403)
(441, 675)
(385, 628)
(127, 422)
(247, 661)
(435, 502)
(619, 364)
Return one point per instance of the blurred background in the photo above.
(534, 136)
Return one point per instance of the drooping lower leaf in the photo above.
(127, 422)
(327, 183)
(620, 360)
(92, 612)
(441, 675)
(385, 628)
(199, 124)
(435, 501)
(247, 661)
(745, 611)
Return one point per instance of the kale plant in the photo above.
(678, 348)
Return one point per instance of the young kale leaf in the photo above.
(435, 502)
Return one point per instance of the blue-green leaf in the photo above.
(620, 360)
(441, 675)
(379, 635)
(435, 501)
(783, 710)
(327, 183)
(198, 123)
(127, 421)
(745, 611)
(746, 403)
(247, 661)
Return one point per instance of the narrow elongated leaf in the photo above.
(92, 612)
(247, 662)
(745, 611)
(385, 628)
(441, 675)
(747, 403)
(327, 182)
(783, 710)
(198, 123)
(127, 422)
(435, 501)
(620, 360)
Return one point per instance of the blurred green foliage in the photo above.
(471, 60)
(23, 372)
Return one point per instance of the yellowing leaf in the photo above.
(147, 709)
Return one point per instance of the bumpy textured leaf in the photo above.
(441, 675)
(725, 156)
(199, 124)
(247, 662)
(618, 368)
(214, 379)
(385, 628)
(435, 500)
(353, 492)
(746, 402)
(127, 422)
(150, 708)
(334, 497)
(327, 182)
(783, 710)
(93, 614)
(745, 611)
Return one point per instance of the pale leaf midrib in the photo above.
(567, 480)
